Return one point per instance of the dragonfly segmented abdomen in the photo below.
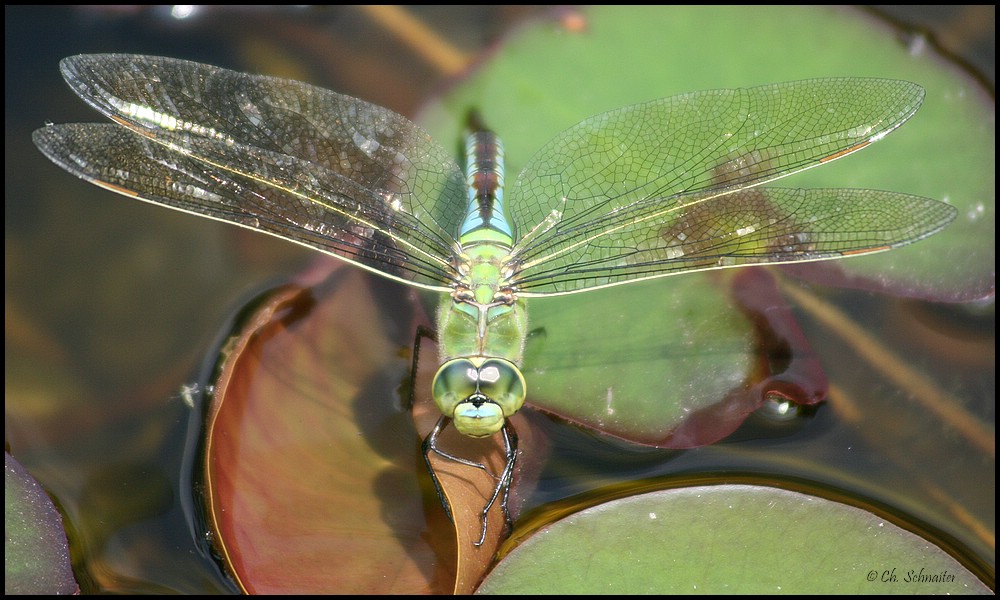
(485, 215)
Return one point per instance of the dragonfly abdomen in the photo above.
(485, 218)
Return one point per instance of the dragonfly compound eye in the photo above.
(454, 383)
(479, 399)
(502, 383)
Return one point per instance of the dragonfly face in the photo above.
(479, 393)
(644, 191)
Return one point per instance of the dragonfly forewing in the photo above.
(330, 164)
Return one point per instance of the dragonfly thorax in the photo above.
(482, 268)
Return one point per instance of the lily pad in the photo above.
(36, 554)
(312, 464)
(728, 539)
(650, 355)
(706, 354)
(299, 496)
(550, 77)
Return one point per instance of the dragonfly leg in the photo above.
(430, 445)
(502, 489)
(422, 332)
(506, 478)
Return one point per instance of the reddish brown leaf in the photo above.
(311, 468)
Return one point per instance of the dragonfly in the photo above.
(659, 188)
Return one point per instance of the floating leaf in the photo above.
(313, 465)
(36, 554)
(549, 77)
(655, 353)
(728, 539)
(683, 377)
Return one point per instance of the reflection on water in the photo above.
(111, 306)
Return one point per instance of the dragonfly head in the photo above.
(479, 393)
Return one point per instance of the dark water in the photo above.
(111, 306)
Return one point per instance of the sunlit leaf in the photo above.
(728, 539)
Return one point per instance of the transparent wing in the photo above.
(321, 169)
(748, 227)
(669, 186)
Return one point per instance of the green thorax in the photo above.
(468, 329)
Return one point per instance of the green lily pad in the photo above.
(728, 539)
(615, 374)
(548, 78)
(650, 354)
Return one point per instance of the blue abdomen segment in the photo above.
(485, 218)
